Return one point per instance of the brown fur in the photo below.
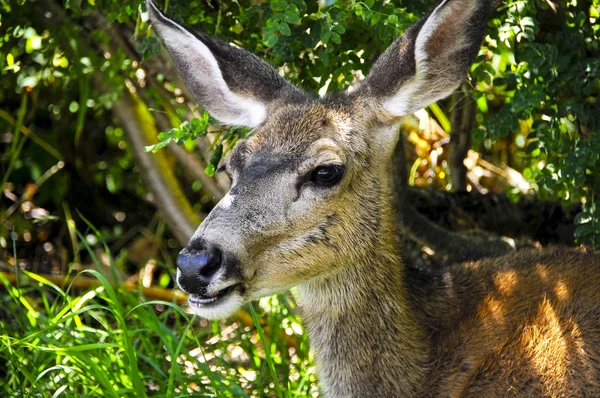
(520, 325)
(527, 324)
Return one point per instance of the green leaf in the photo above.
(341, 29)
(284, 28)
(271, 39)
(323, 56)
(532, 147)
(214, 160)
(315, 34)
(375, 18)
(586, 229)
(196, 124)
(154, 148)
(335, 37)
(582, 218)
(210, 170)
(291, 17)
(325, 35)
(150, 46)
(279, 5)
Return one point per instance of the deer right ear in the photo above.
(431, 59)
(233, 85)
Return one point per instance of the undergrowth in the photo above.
(107, 341)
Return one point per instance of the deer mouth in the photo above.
(212, 298)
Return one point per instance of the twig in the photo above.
(31, 189)
(191, 163)
(30, 134)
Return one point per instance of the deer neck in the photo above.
(366, 338)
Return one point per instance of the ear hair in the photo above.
(431, 59)
(233, 85)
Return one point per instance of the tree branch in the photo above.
(171, 202)
(448, 246)
(529, 219)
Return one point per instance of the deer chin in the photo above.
(218, 304)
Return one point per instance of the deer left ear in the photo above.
(233, 85)
(431, 59)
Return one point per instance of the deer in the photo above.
(311, 206)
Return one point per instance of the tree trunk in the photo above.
(162, 183)
(463, 118)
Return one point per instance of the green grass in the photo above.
(106, 341)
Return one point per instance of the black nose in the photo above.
(198, 267)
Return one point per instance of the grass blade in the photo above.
(267, 354)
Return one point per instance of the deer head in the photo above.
(310, 191)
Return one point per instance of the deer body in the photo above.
(311, 205)
(511, 326)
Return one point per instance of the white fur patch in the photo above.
(425, 33)
(225, 308)
(410, 98)
(177, 278)
(227, 201)
(400, 104)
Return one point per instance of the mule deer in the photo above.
(311, 206)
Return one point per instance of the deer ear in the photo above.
(431, 59)
(233, 85)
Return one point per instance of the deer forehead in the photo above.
(306, 131)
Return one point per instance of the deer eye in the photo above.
(327, 175)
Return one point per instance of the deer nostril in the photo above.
(210, 262)
(199, 266)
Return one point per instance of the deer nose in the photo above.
(198, 267)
